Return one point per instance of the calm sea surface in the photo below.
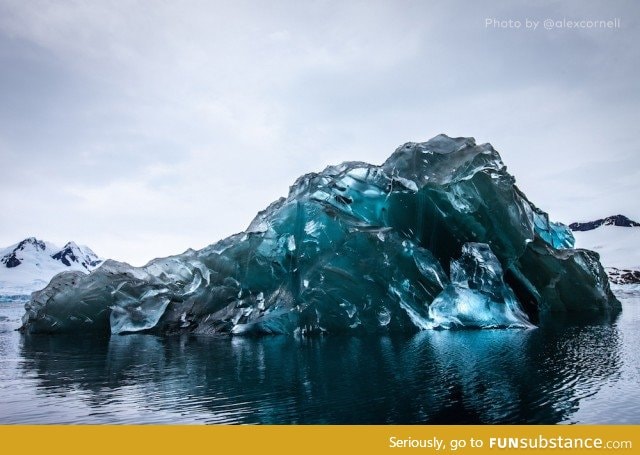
(587, 372)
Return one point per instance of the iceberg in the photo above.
(437, 237)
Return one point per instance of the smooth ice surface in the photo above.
(356, 247)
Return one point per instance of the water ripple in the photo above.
(560, 372)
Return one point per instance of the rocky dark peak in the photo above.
(614, 220)
(71, 253)
(66, 255)
(38, 244)
(11, 259)
(623, 276)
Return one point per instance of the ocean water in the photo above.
(578, 372)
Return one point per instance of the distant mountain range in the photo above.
(615, 220)
(617, 240)
(29, 265)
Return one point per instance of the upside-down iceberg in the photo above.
(438, 236)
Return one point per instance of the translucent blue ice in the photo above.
(477, 296)
(438, 236)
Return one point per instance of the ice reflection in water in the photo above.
(540, 375)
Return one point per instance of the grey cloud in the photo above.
(143, 129)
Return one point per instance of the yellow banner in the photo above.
(312, 439)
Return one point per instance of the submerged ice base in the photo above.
(438, 236)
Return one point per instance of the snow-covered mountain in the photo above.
(617, 240)
(29, 265)
(614, 220)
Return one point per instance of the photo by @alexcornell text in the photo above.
(533, 24)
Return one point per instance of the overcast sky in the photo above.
(144, 128)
